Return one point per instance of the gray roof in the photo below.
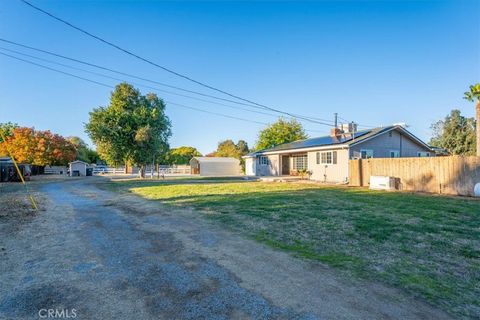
(78, 161)
(216, 159)
(344, 139)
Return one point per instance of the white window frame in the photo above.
(263, 160)
(328, 157)
(304, 162)
(368, 153)
(323, 158)
(395, 152)
(423, 154)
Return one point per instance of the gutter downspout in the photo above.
(401, 144)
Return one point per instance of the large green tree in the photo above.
(133, 129)
(182, 155)
(473, 95)
(282, 131)
(455, 133)
(242, 147)
(228, 148)
(84, 153)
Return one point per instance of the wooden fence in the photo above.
(448, 175)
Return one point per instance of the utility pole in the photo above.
(336, 120)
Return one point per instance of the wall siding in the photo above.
(251, 166)
(381, 146)
(273, 167)
(330, 172)
(80, 167)
(220, 169)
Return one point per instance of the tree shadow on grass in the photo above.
(396, 237)
(135, 183)
(373, 214)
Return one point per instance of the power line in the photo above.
(112, 87)
(142, 85)
(215, 113)
(360, 125)
(135, 83)
(56, 70)
(141, 78)
(160, 66)
(119, 72)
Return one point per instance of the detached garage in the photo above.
(80, 169)
(215, 166)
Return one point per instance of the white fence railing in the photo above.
(108, 170)
(55, 170)
(163, 170)
(183, 169)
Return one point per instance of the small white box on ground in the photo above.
(476, 190)
(382, 183)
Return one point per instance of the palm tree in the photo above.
(474, 96)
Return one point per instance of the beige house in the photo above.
(326, 158)
(215, 166)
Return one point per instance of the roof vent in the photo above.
(350, 127)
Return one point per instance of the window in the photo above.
(423, 154)
(366, 153)
(300, 162)
(329, 157)
(394, 154)
(263, 160)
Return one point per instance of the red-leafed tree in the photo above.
(28, 145)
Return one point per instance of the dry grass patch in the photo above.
(428, 245)
(15, 203)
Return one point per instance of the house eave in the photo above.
(403, 130)
(333, 146)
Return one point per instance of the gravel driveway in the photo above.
(105, 256)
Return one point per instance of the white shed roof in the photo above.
(216, 159)
(79, 161)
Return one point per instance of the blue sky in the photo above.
(373, 62)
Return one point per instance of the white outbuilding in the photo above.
(215, 166)
(80, 169)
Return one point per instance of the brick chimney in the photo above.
(335, 132)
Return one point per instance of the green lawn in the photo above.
(427, 245)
